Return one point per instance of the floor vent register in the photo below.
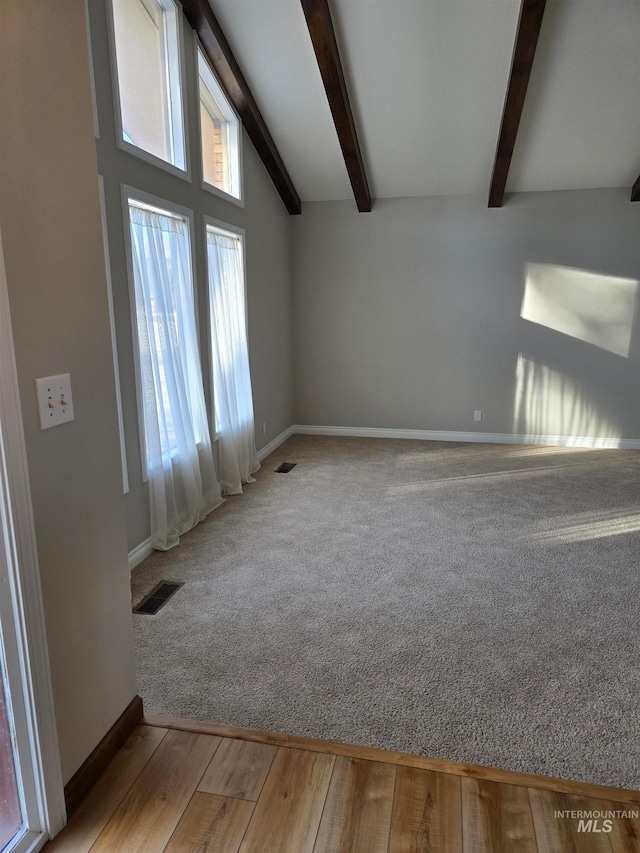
(158, 597)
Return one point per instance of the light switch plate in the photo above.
(55, 404)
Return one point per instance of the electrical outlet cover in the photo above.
(55, 404)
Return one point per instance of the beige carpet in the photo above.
(471, 602)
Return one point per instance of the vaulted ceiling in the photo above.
(426, 80)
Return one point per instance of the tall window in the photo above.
(233, 401)
(220, 134)
(148, 67)
(176, 445)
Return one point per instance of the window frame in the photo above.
(228, 231)
(185, 213)
(121, 142)
(205, 185)
(92, 72)
(114, 342)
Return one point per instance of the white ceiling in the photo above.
(427, 80)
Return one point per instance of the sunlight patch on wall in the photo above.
(594, 308)
(549, 403)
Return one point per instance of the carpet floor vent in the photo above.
(286, 467)
(157, 598)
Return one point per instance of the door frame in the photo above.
(22, 614)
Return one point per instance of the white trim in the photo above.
(29, 671)
(114, 345)
(275, 443)
(30, 842)
(121, 143)
(224, 227)
(152, 160)
(92, 77)
(175, 209)
(480, 437)
(140, 553)
(239, 201)
(156, 201)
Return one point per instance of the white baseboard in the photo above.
(275, 443)
(139, 553)
(485, 437)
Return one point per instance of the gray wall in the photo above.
(50, 220)
(409, 317)
(267, 227)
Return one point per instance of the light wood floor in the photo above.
(187, 787)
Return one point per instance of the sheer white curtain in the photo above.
(231, 378)
(183, 486)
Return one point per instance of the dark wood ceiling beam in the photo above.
(204, 22)
(324, 42)
(531, 12)
(635, 192)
